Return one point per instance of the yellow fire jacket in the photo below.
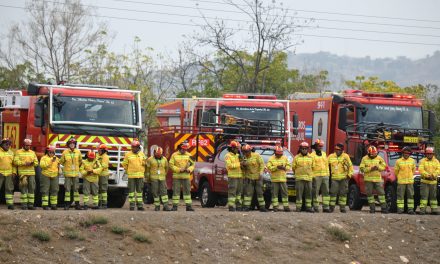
(71, 161)
(180, 161)
(233, 165)
(134, 164)
(21, 157)
(404, 170)
(429, 168)
(104, 160)
(341, 166)
(365, 167)
(7, 167)
(302, 166)
(94, 166)
(278, 175)
(320, 164)
(254, 166)
(49, 167)
(157, 168)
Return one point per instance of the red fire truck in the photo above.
(359, 119)
(208, 124)
(51, 114)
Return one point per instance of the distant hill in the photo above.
(402, 70)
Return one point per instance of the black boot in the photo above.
(77, 206)
(174, 208)
(245, 209)
(332, 209)
(189, 208)
(326, 210)
(131, 207)
(372, 208)
(231, 209)
(45, 207)
(238, 209)
(384, 210)
(54, 207)
(95, 207)
(263, 209)
(85, 207)
(342, 209)
(141, 208)
(310, 210)
(286, 209)
(166, 208)
(24, 207)
(10, 207)
(157, 208)
(31, 206)
(66, 206)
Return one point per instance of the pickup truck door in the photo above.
(220, 183)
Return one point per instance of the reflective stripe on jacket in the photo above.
(404, 170)
(49, 168)
(157, 168)
(7, 167)
(254, 167)
(21, 157)
(94, 166)
(134, 164)
(427, 168)
(302, 167)
(71, 161)
(278, 175)
(341, 166)
(179, 161)
(320, 164)
(233, 165)
(367, 163)
(104, 160)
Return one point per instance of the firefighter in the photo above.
(182, 165)
(235, 176)
(278, 164)
(429, 169)
(157, 168)
(341, 171)
(134, 165)
(253, 169)
(71, 161)
(320, 182)
(91, 170)
(49, 184)
(103, 178)
(371, 166)
(7, 171)
(404, 171)
(302, 167)
(26, 161)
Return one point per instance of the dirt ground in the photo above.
(216, 236)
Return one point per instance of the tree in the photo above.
(270, 29)
(56, 36)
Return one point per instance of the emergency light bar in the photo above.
(264, 141)
(246, 96)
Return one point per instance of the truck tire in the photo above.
(391, 197)
(207, 197)
(354, 197)
(117, 197)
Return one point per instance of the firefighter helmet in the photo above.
(319, 142)
(304, 145)
(135, 143)
(184, 145)
(27, 141)
(91, 154)
(429, 150)
(50, 148)
(339, 146)
(158, 151)
(406, 150)
(6, 140)
(103, 146)
(279, 150)
(246, 147)
(234, 144)
(372, 150)
(71, 140)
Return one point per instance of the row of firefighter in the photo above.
(313, 172)
(94, 170)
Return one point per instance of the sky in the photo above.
(375, 28)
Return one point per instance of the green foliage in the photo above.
(119, 230)
(41, 235)
(93, 220)
(142, 238)
(338, 233)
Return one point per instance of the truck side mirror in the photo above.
(295, 123)
(39, 113)
(431, 122)
(342, 118)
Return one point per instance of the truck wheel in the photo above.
(117, 197)
(207, 197)
(354, 197)
(391, 198)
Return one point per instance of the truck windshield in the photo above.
(404, 116)
(276, 115)
(94, 110)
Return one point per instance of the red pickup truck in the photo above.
(211, 180)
